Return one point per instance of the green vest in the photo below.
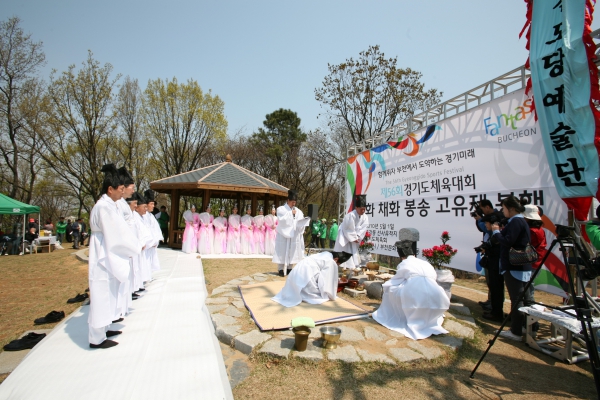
(333, 231)
(61, 227)
(316, 227)
(323, 231)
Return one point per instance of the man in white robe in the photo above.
(413, 303)
(352, 231)
(313, 280)
(109, 253)
(289, 243)
(152, 224)
(124, 300)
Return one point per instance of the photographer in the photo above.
(490, 250)
(484, 208)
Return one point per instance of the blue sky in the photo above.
(259, 56)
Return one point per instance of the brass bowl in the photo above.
(372, 266)
(330, 336)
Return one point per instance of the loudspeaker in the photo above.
(313, 211)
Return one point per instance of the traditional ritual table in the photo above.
(42, 241)
(564, 330)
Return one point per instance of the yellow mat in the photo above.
(270, 315)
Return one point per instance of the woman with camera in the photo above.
(515, 235)
(491, 259)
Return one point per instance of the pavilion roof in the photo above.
(225, 176)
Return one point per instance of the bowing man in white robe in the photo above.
(352, 231)
(413, 303)
(109, 253)
(289, 243)
(313, 280)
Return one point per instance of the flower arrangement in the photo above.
(365, 245)
(438, 256)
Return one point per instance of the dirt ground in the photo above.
(511, 370)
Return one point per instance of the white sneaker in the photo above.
(21, 253)
(511, 336)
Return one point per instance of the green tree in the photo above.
(371, 94)
(182, 122)
(20, 58)
(81, 137)
(280, 141)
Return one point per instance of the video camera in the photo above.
(591, 266)
(484, 246)
(478, 210)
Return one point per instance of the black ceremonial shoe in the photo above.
(78, 299)
(107, 344)
(117, 320)
(52, 316)
(113, 333)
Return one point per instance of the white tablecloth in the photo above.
(45, 240)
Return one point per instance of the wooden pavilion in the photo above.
(222, 181)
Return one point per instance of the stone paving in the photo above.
(361, 340)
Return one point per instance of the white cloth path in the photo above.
(168, 349)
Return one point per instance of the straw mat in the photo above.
(270, 315)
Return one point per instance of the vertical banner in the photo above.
(430, 179)
(564, 81)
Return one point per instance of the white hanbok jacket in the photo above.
(413, 303)
(352, 229)
(150, 252)
(313, 280)
(141, 263)
(124, 300)
(289, 243)
(109, 253)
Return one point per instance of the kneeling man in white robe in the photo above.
(352, 231)
(313, 280)
(413, 303)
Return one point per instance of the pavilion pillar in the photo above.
(205, 199)
(239, 204)
(254, 204)
(174, 223)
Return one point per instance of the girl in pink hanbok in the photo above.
(247, 238)
(220, 224)
(259, 232)
(189, 243)
(206, 232)
(233, 232)
(270, 231)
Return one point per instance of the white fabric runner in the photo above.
(168, 349)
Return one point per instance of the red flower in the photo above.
(445, 233)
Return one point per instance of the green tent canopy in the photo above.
(14, 207)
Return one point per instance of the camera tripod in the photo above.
(565, 241)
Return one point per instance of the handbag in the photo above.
(522, 257)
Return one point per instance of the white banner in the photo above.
(429, 179)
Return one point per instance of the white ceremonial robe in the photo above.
(247, 235)
(141, 263)
(206, 235)
(124, 300)
(289, 243)
(189, 242)
(109, 253)
(350, 233)
(233, 234)
(413, 303)
(220, 244)
(150, 252)
(259, 234)
(270, 234)
(313, 280)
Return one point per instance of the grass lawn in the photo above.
(511, 370)
(33, 285)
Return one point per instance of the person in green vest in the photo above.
(323, 233)
(61, 229)
(333, 232)
(315, 231)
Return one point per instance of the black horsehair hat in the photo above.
(111, 177)
(360, 200)
(404, 248)
(149, 194)
(293, 195)
(125, 177)
(141, 199)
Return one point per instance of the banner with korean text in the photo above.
(429, 179)
(564, 80)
